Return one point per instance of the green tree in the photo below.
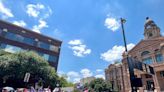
(13, 68)
(99, 85)
(64, 83)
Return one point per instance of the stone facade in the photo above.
(114, 75)
(83, 81)
(150, 50)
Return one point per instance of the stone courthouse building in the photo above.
(150, 50)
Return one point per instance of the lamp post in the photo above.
(130, 64)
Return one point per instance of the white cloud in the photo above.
(100, 76)
(79, 49)
(112, 23)
(5, 11)
(42, 24)
(86, 73)
(57, 33)
(48, 12)
(75, 77)
(75, 42)
(115, 53)
(34, 10)
(99, 70)
(40, 12)
(76, 80)
(20, 23)
(73, 74)
(60, 73)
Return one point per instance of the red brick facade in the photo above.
(150, 50)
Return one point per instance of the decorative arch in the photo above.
(145, 53)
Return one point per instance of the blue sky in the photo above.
(90, 29)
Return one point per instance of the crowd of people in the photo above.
(31, 89)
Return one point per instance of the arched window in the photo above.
(158, 56)
(145, 53)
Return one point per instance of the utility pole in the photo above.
(130, 64)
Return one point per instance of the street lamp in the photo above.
(130, 64)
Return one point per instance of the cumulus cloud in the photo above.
(76, 80)
(99, 70)
(20, 23)
(86, 73)
(57, 33)
(112, 23)
(79, 49)
(47, 13)
(42, 24)
(4, 11)
(34, 10)
(60, 73)
(115, 53)
(100, 76)
(75, 42)
(40, 12)
(73, 74)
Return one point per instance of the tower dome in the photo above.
(151, 30)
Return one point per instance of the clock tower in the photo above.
(151, 30)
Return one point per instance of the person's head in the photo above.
(4, 90)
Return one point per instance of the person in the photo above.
(40, 90)
(86, 90)
(4, 90)
(47, 90)
(32, 89)
(57, 89)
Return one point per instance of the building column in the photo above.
(156, 84)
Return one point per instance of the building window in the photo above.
(54, 48)
(148, 60)
(1, 31)
(29, 41)
(19, 38)
(10, 48)
(48, 57)
(159, 58)
(162, 74)
(45, 56)
(52, 58)
(43, 45)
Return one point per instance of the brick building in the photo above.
(14, 38)
(114, 75)
(149, 50)
(87, 80)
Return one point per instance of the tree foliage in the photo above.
(13, 67)
(98, 85)
(65, 83)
